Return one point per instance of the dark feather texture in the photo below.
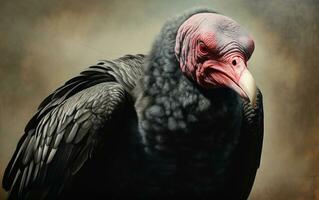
(137, 127)
(65, 130)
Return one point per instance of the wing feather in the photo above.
(61, 136)
(42, 146)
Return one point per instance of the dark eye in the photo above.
(234, 62)
(203, 48)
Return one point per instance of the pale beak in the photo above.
(247, 83)
(236, 77)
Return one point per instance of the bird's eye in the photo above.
(234, 62)
(203, 48)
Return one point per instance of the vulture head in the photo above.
(213, 51)
(208, 48)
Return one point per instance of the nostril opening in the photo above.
(234, 62)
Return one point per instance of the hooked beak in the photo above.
(236, 77)
(247, 86)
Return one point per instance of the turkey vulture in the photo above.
(186, 120)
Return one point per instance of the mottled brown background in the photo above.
(44, 43)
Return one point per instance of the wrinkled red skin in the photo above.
(213, 50)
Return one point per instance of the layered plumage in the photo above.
(138, 127)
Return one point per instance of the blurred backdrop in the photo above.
(44, 43)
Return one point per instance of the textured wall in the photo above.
(44, 43)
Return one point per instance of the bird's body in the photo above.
(137, 127)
